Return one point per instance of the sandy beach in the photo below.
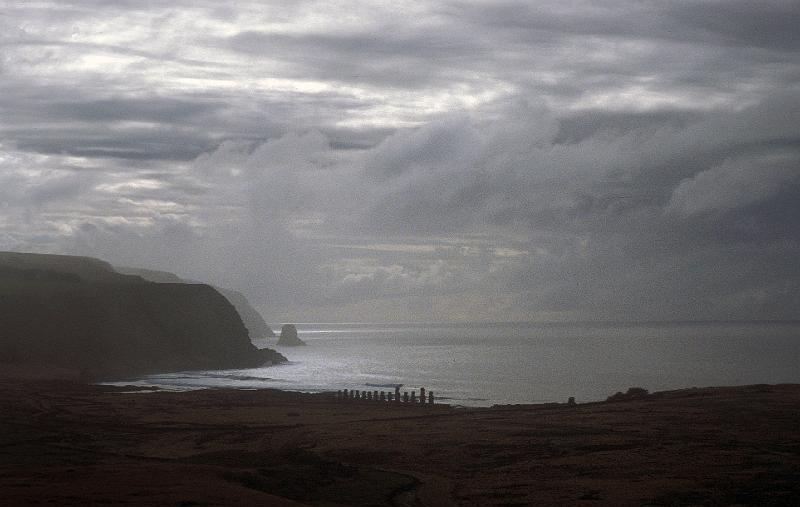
(68, 443)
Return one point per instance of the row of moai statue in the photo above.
(357, 395)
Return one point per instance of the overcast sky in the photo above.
(419, 160)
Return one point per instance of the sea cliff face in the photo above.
(252, 320)
(109, 325)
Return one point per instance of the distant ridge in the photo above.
(151, 275)
(86, 268)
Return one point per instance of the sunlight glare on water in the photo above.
(519, 363)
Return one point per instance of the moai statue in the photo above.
(413, 396)
(383, 395)
(405, 396)
(571, 401)
(346, 395)
(358, 394)
(430, 398)
(369, 396)
(397, 394)
(375, 395)
(422, 395)
(390, 396)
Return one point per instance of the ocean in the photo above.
(487, 364)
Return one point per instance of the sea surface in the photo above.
(486, 364)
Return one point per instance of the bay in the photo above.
(499, 363)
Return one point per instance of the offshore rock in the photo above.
(289, 336)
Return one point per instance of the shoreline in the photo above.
(142, 383)
(69, 442)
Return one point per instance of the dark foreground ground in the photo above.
(66, 443)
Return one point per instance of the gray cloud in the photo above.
(769, 25)
(152, 109)
(500, 160)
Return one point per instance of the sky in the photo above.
(343, 161)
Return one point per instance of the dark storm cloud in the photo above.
(382, 57)
(768, 24)
(155, 109)
(697, 214)
(579, 126)
(133, 144)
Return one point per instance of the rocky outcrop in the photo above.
(79, 313)
(633, 393)
(289, 336)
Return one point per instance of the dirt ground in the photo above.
(67, 443)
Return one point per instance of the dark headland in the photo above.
(80, 313)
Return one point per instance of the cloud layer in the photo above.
(453, 161)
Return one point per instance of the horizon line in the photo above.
(549, 322)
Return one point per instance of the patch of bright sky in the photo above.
(644, 98)
(130, 185)
(158, 206)
(387, 247)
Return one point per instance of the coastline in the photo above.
(73, 443)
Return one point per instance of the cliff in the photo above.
(79, 313)
(252, 320)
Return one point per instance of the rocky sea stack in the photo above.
(289, 336)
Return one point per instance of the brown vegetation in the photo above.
(74, 444)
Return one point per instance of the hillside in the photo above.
(65, 443)
(79, 313)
